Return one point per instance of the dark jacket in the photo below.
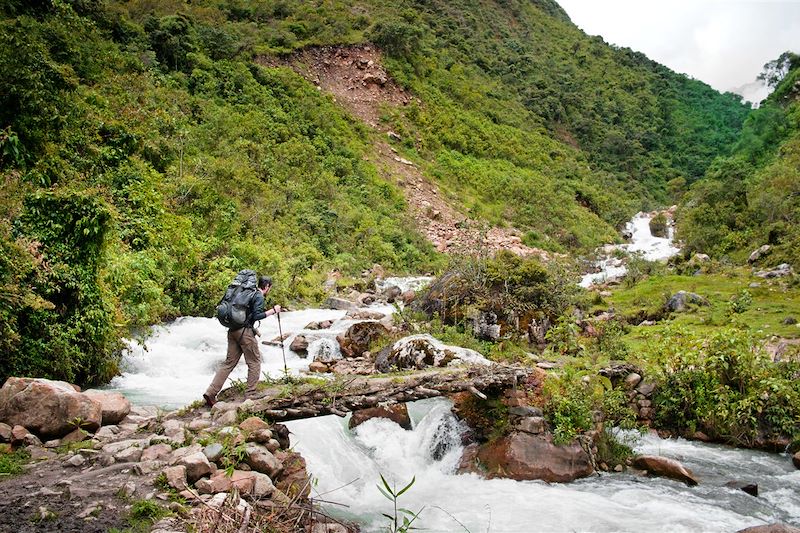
(257, 311)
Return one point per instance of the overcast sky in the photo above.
(724, 43)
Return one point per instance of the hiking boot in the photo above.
(209, 400)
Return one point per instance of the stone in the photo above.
(5, 432)
(782, 270)
(318, 367)
(665, 467)
(293, 480)
(645, 389)
(757, 254)
(213, 452)
(156, 452)
(78, 435)
(176, 477)
(397, 413)
(262, 486)
(391, 293)
(358, 337)
(50, 409)
(632, 380)
(199, 424)
(114, 406)
(281, 434)
(486, 327)
(523, 456)
(796, 460)
(299, 345)
(525, 410)
(329, 527)
(105, 433)
(789, 321)
(339, 304)
(699, 258)
(38, 453)
(420, 351)
(129, 455)
(252, 424)
(532, 424)
(76, 460)
(680, 301)
(116, 447)
(261, 460)
(18, 434)
(197, 466)
(273, 445)
(749, 488)
(408, 297)
(261, 436)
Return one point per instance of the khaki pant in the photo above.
(239, 342)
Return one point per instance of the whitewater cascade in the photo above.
(642, 242)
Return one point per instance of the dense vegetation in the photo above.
(751, 197)
(146, 157)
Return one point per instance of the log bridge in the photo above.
(352, 393)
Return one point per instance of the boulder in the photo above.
(324, 351)
(699, 258)
(397, 413)
(261, 460)
(796, 460)
(532, 424)
(129, 455)
(114, 405)
(176, 477)
(213, 451)
(51, 409)
(523, 456)
(262, 486)
(281, 434)
(680, 301)
(196, 465)
(632, 380)
(5, 432)
(408, 297)
(156, 452)
(318, 367)
(664, 467)
(759, 253)
(419, 351)
(749, 488)
(261, 436)
(358, 337)
(782, 270)
(72, 437)
(253, 424)
(485, 326)
(392, 293)
(299, 345)
(339, 304)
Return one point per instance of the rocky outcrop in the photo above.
(358, 338)
(664, 467)
(50, 409)
(420, 351)
(397, 413)
(525, 456)
(759, 253)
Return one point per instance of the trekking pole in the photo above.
(280, 333)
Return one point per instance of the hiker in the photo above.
(243, 340)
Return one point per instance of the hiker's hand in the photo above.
(276, 309)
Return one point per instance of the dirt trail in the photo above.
(356, 79)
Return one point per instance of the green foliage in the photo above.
(11, 463)
(659, 225)
(573, 398)
(488, 418)
(750, 198)
(739, 303)
(724, 385)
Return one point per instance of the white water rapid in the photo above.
(642, 242)
(348, 463)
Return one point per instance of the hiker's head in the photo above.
(264, 284)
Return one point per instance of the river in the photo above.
(178, 360)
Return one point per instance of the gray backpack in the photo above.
(234, 308)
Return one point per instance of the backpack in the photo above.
(233, 309)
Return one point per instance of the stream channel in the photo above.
(177, 362)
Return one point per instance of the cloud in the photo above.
(722, 42)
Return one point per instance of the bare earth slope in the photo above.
(354, 76)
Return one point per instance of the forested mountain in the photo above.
(148, 153)
(752, 197)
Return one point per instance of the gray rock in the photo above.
(645, 388)
(532, 424)
(213, 451)
(759, 253)
(114, 406)
(261, 460)
(199, 424)
(156, 452)
(5, 432)
(197, 466)
(115, 447)
(263, 487)
(105, 433)
(632, 380)
(782, 270)
(681, 300)
(76, 460)
(128, 455)
(525, 410)
(485, 326)
(339, 303)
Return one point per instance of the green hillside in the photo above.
(146, 157)
(751, 197)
